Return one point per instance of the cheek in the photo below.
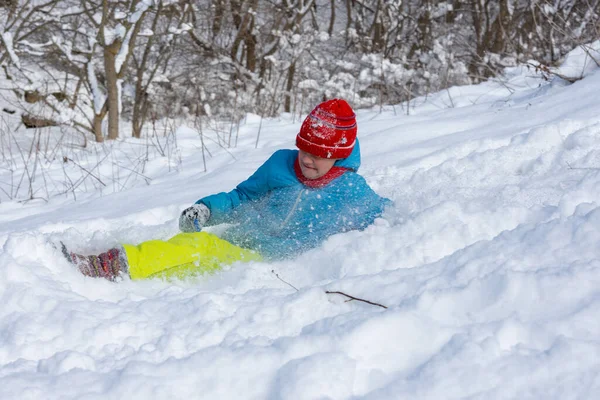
(324, 165)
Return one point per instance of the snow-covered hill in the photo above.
(489, 264)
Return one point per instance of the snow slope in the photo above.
(489, 264)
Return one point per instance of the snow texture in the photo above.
(98, 96)
(141, 8)
(489, 264)
(7, 40)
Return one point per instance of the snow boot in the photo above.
(108, 265)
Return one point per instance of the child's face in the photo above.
(314, 167)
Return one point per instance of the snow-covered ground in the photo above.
(489, 264)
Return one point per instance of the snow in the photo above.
(581, 61)
(98, 96)
(112, 34)
(123, 50)
(126, 33)
(488, 262)
(7, 39)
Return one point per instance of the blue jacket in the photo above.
(278, 216)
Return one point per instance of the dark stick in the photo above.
(332, 292)
(287, 283)
(356, 298)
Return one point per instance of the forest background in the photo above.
(106, 67)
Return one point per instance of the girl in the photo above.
(293, 202)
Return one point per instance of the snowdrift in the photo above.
(488, 264)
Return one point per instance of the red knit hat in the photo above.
(329, 131)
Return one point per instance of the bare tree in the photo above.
(94, 63)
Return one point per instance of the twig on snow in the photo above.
(287, 283)
(332, 292)
(87, 171)
(584, 168)
(546, 72)
(356, 298)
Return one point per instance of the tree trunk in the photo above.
(220, 7)
(349, 7)
(331, 19)
(288, 88)
(140, 110)
(97, 127)
(112, 88)
(136, 126)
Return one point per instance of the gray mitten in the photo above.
(193, 218)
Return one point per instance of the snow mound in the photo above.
(485, 274)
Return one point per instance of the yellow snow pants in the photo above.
(184, 255)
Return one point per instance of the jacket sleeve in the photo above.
(222, 205)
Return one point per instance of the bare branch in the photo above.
(356, 298)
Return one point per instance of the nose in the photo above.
(306, 159)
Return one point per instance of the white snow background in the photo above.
(489, 264)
